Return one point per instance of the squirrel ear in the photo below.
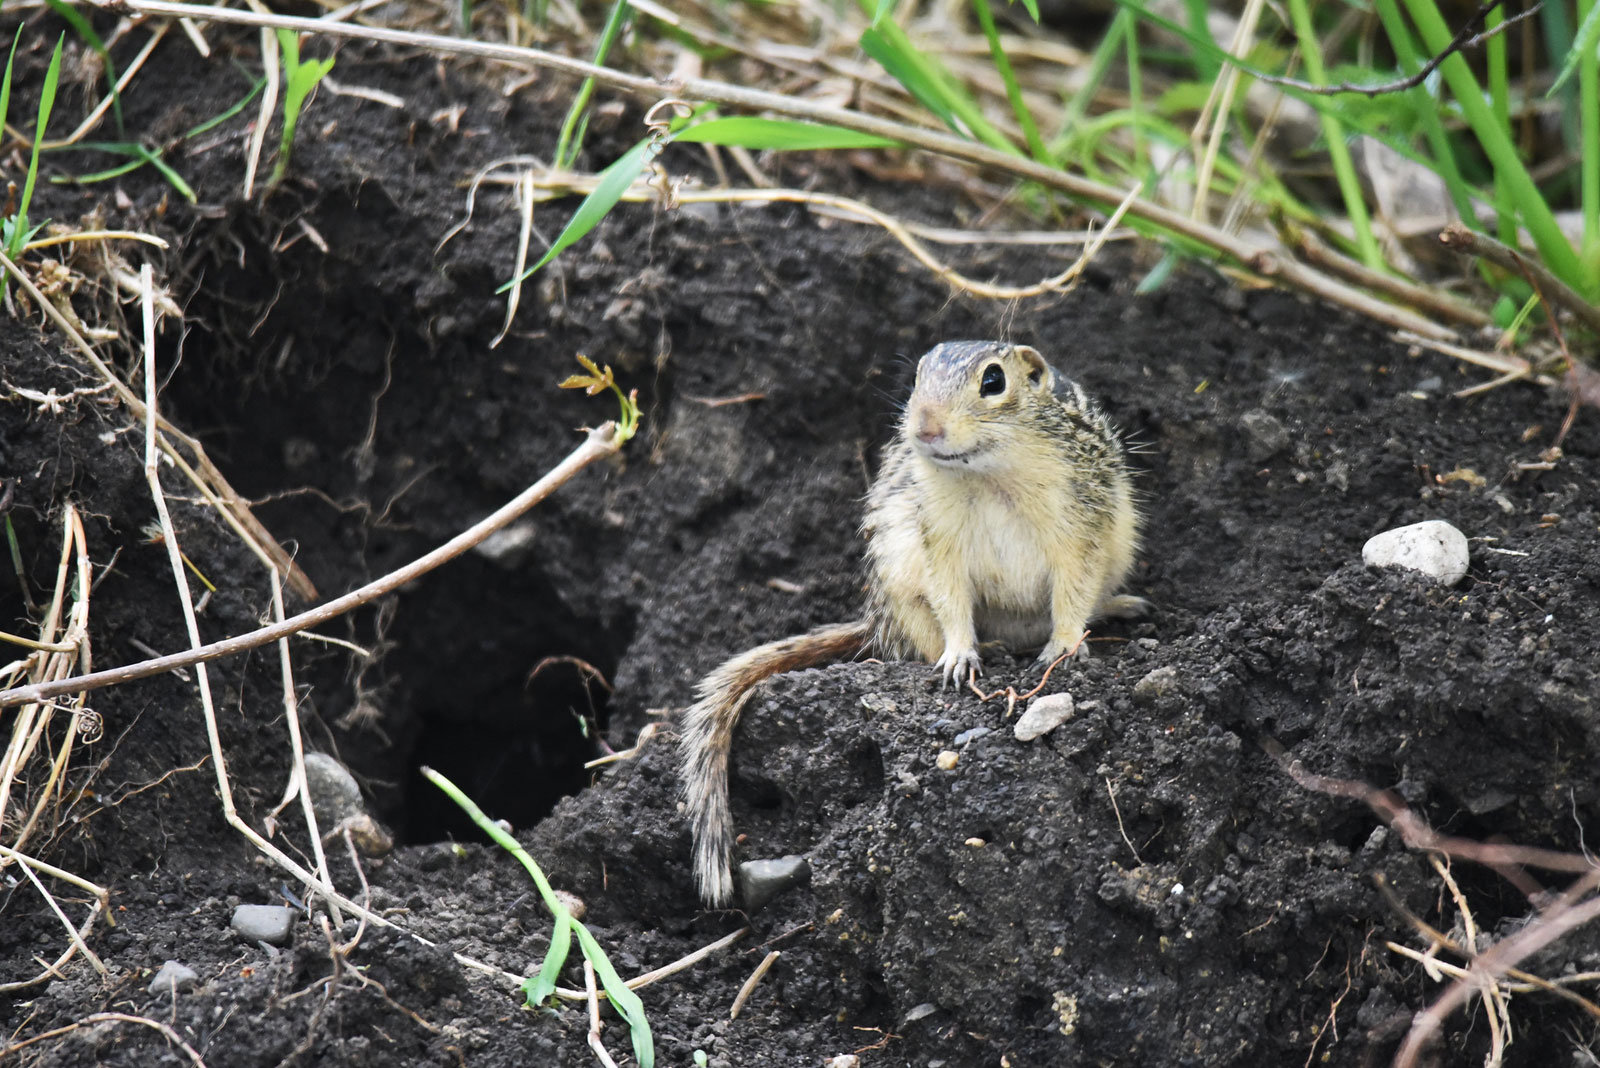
(1039, 372)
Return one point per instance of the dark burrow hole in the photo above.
(309, 379)
(495, 670)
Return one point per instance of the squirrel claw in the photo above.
(958, 666)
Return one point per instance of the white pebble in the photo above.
(1435, 548)
(947, 760)
(1044, 715)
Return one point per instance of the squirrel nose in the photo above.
(928, 428)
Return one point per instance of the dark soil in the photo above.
(1143, 886)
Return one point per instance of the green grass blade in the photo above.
(173, 178)
(881, 50)
(47, 101)
(1585, 46)
(1344, 169)
(925, 78)
(5, 90)
(759, 134)
(98, 176)
(614, 181)
(1443, 162)
(625, 1001)
(1032, 7)
(218, 120)
(1099, 63)
(568, 145)
(884, 10)
(1554, 248)
(80, 26)
(1002, 64)
(1587, 50)
(538, 988)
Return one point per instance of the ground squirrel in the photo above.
(1003, 512)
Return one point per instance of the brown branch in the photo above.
(1458, 237)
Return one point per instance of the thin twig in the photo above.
(291, 710)
(111, 1017)
(598, 444)
(1458, 237)
(1469, 36)
(593, 995)
(750, 984)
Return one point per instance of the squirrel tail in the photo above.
(707, 738)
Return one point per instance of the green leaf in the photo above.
(538, 988)
(301, 78)
(885, 9)
(625, 1001)
(5, 90)
(614, 181)
(758, 134)
(47, 101)
(1032, 7)
(903, 69)
(1588, 41)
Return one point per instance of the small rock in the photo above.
(263, 923)
(511, 547)
(334, 793)
(572, 903)
(947, 759)
(1265, 435)
(762, 880)
(1044, 715)
(1156, 685)
(1433, 547)
(844, 1060)
(927, 1008)
(971, 735)
(173, 977)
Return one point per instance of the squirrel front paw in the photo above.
(958, 666)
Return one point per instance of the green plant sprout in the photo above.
(300, 78)
(538, 988)
(14, 230)
(596, 381)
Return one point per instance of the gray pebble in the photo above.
(1044, 715)
(1265, 435)
(1434, 548)
(1156, 685)
(263, 923)
(334, 793)
(762, 880)
(173, 977)
(971, 735)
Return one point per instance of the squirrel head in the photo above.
(971, 399)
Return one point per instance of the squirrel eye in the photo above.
(994, 381)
